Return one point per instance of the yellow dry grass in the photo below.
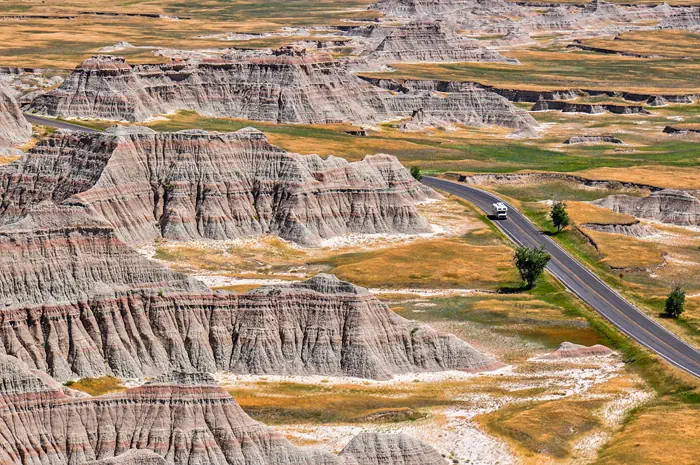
(662, 435)
(551, 69)
(53, 42)
(293, 403)
(582, 212)
(97, 386)
(660, 176)
(666, 42)
(439, 263)
(7, 159)
(621, 251)
(542, 431)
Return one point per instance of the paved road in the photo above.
(577, 278)
(57, 124)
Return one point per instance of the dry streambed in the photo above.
(478, 419)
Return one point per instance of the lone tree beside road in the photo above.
(560, 218)
(415, 172)
(531, 263)
(675, 303)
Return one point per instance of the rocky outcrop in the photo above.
(471, 107)
(520, 178)
(512, 39)
(381, 449)
(289, 86)
(433, 42)
(592, 108)
(198, 185)
(682, 129)
(559, 18)
(571, 350)
(592, 140)
(514, 95)
(683, 18)
(666, 206)
(14, 129)
(178, 419)
(637, 230)
(499, 17)
(78, 302)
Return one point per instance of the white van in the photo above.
(499, 210)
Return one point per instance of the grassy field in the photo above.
(666, 434)
(97, 386)
(669, 43)
(34, 42)
(440, 263)
(543, 428)
(575, 69)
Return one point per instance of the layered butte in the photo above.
(498, 16)
(433, 42)
(178, 418)
(79, 302)
(289, 86)
(196, 185)
(14, 129)
(667, 206)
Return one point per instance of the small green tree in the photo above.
(415, 172)
(560, 218)
(675, 303)
(531, 263)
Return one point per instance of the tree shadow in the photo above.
(513, 289)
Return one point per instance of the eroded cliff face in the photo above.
(14, 129)
(197, 185)
(433, 42)
(179, 418)
(79, 302)
(510, 17)
(290, 86)
(667, 206)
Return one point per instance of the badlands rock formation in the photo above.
(176, 419)
(381, 449)
(571, 350)
(79, 302)
(14, 129)
(592, 108)
(498, 16)
(637, 229)
(431, 41)
(289, 86)
(197, 185)
(592, 140)
(667, 206)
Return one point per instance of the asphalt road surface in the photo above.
(582, 282)
(57, 124)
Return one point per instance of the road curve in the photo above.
(54, 123)
(582, 282)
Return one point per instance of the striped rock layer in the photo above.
(78, 302)
(432, 42)
(289, 87)
(194, 185)
(14, 129)
(667, 206)
(178, 419)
